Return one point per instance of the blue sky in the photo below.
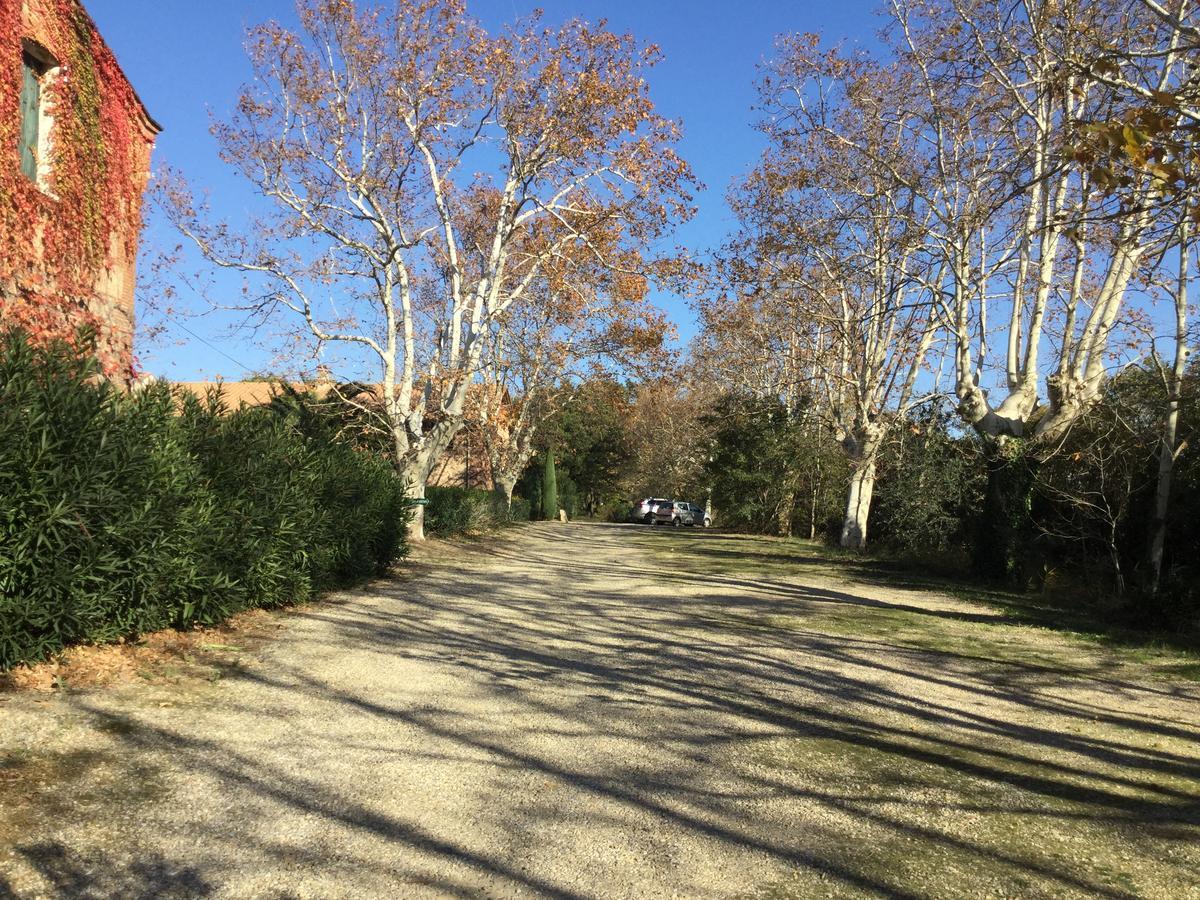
(186, 59)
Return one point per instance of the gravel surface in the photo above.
(557, 714)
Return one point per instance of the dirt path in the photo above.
(561, 715)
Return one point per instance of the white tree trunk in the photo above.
(416, 467)
(858, 505)
(1168, 449)
(416, 525)
(1162, 494)
(785, 514)
(504, 486)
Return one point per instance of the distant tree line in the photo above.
(964, 261)
(1084, 532)
(953, 319)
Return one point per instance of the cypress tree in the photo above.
(549, 488)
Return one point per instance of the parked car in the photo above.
(644, 510)
(698, 516)
(675, 513)
(686, 514)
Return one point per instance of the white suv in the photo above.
(678, 513)
(644, 510)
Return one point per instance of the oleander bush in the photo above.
(456, 510)
(127, 513)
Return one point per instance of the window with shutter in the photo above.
(31, 112)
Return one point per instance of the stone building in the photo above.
(75, 146)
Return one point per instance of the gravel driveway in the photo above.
(556, 714)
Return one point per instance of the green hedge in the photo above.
(455, 510)
(126, 513)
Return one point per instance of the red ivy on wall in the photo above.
(56, 242)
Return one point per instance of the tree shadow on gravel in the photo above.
(1059, 613)
(1005, 608)
(595, 697)
(1052, 743)
(70, 873)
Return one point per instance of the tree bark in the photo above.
(416, 467)
(416, 524)
(504, 486)
(858, 505)
(785, 514)
(1162, 494)
(816, 498)
(861, 445)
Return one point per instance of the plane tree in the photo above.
(588, 321)
(375, 136)
(831, 263)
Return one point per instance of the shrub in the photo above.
(770, 471)
(568, 494)
(930, 487)
(456, 510)
(520, 511)
(616, 512)
(120, 514)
